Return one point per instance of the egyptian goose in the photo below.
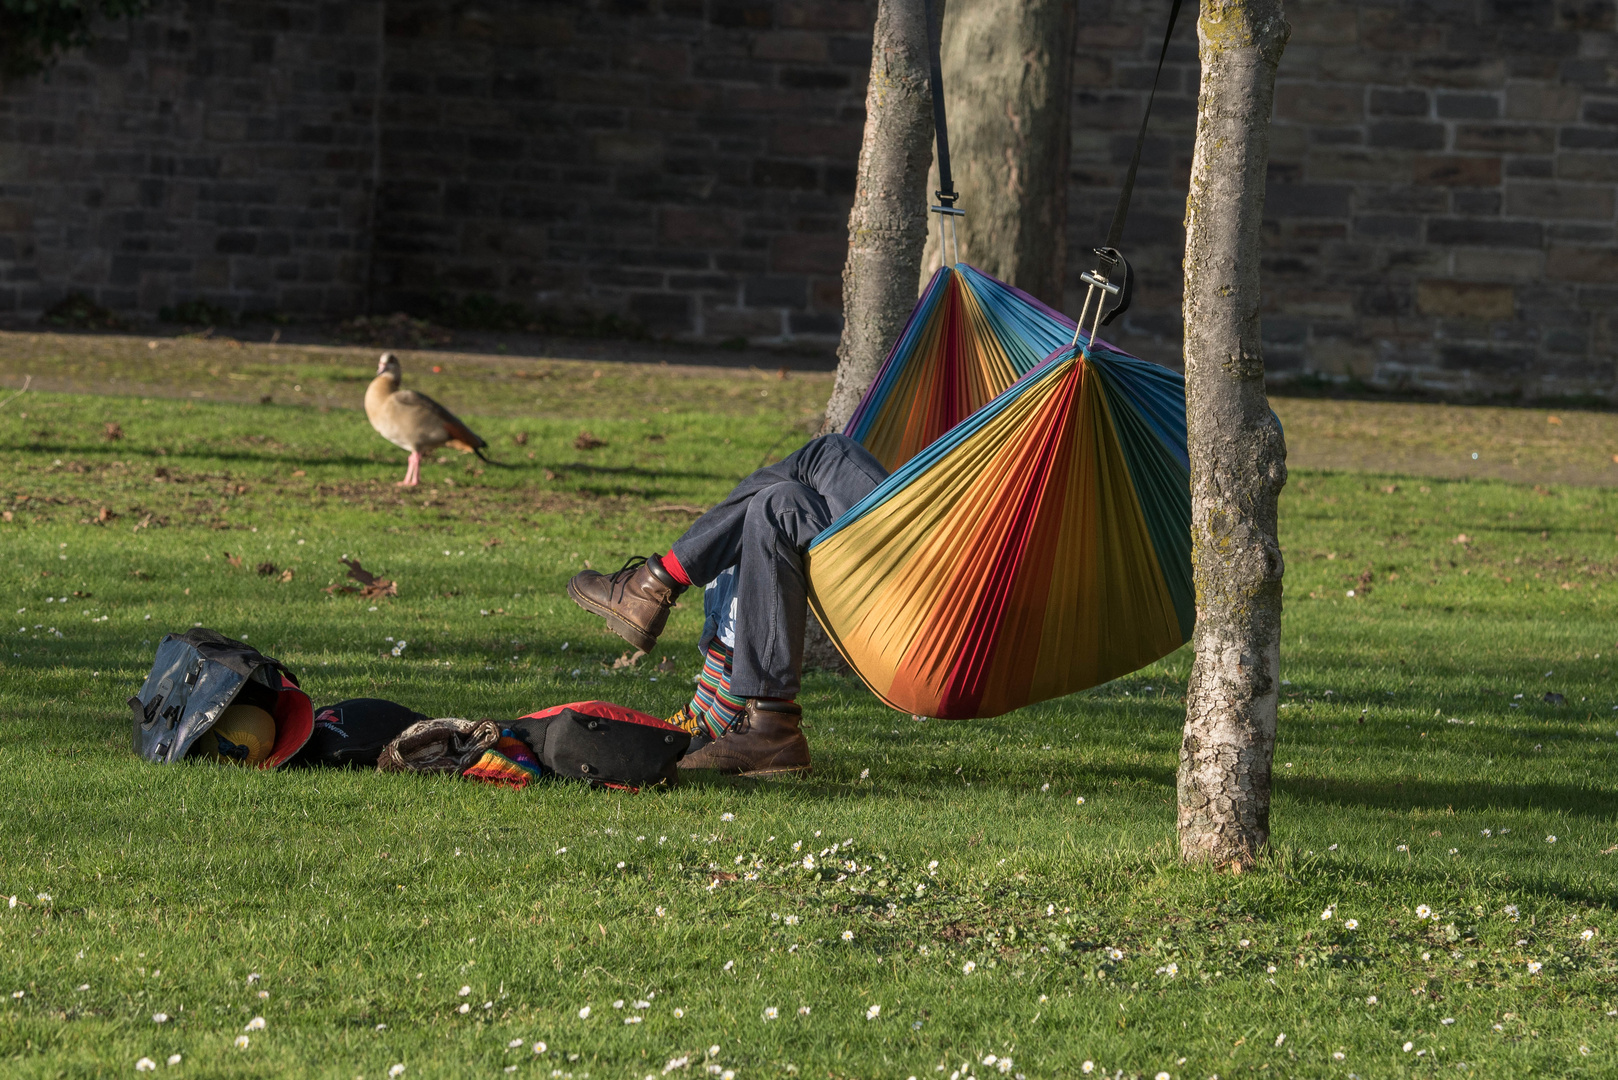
(412, 421)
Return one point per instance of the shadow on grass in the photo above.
(1473, 796)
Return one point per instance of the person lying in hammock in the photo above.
(745, 714)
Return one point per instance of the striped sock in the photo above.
(714, 707)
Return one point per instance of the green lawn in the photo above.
(1004, 888)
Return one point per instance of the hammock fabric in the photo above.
(1040, 547)
(969, 337)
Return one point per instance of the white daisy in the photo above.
(873, 1012)
(969, 967)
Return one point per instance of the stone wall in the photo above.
(1443, 178)
(222, 152)
(1440, 211)
(687, 163)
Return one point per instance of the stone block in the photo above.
(776, 292)
(1379, 227)
(1588, 138)
(1470, 232)
(1461, 71)
(1487, 265)
(796, 253)
(1400, 102)
(1542, 101)
(1594, 166)
(1456, 170)
(1468, 203)
(662, 312)
(798, 46)
(1531, 168)
(1373, 166)
(1406, 134)
(1312, 103)
(1468, 106)
(1306, 200)
(1505, 138)
(1601, 111)
(1598, 265)
(1465, 299)
(1559, 200)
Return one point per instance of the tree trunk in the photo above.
(1008, 80)
(1238, 456)
(888, 224)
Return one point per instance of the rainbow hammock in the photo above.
(1039, 547)
(969, 337)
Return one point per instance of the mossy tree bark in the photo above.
(1008, 81)
(887, 227)
(1238, 456)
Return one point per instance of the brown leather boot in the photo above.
(766, 741)
(635, 601)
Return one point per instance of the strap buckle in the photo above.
(1112, 277)
(947, 211)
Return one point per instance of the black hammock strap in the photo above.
(1113, 276)
(935, 83)
(1116, 233)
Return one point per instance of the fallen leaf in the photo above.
(105, 515)
(299, 472)
(371, 585)
(286, 575)
(1462, 539)
(233, 560)
(552, 476)
(666, 664)
(5, 515)
(628, 660)
(268, 569)
(111, 432)
(493, 541)
(520, 438)
(587, 441)
(1557, 420)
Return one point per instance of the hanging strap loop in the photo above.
(1115, 234)
(1113, 277)
(935, 83)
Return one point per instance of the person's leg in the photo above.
(842, 470)
(772, 592)
(636, 600)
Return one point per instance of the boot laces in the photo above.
(620, 577)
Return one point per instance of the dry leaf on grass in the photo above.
(286, 575)
(628, 660)
(111, 432)
(371, 586)
(587, 441)
(268, 569)
(666, 664)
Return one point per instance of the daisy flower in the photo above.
(873, 1012)
(1534, 967)
(145, 1065)
(969, 967)
(771, 1012)
(1422, 911)
(255, 1024)
(848, 935)
(584, 1013)
(396, 1070)
(1351, 924)
(241, 1041)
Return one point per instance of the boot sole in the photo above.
(616, 623)
(787, 770)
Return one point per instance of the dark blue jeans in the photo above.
(763, 528)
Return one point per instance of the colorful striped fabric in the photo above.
(508, 762)
(1041, 546)
(969, 338)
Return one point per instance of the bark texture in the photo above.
(888, 225)
(1238, 456)
(1008, 77)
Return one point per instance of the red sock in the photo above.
(676, 571)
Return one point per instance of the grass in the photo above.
(361, 900)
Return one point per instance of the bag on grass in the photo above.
(196, 677)
(354, 732)
(603, 744)
(449, 744)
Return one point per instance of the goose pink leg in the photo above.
(412, 471)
